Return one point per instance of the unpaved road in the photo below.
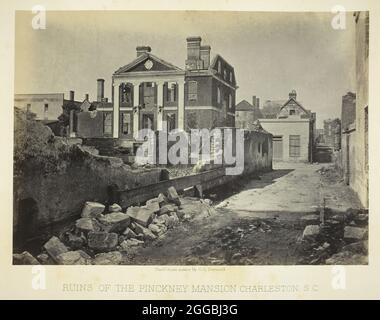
(259, 224)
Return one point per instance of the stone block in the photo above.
(143, 215)
(129, 233)
(149, 235)
(102, 241)
(86, 225)
(354, 233)
(108, 258)
(54, 247)
(74, 258)
(92, 209)
(173, 196)
(115, 208)
(115, 221)
(311, 232)
(24, 258)
(153, 205)
(162, 199)
(167, 208)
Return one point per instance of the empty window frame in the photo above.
(171, 92)
(294, 146)
(171, 121)
(192, 90)
(107, 123)
(126, 94)
(126, 123)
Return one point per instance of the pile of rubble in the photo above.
(108, 235)
(339, 239)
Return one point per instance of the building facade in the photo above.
(293, 131)
(246, 114)
(46, 106)
(348, 113)
(355, 156)
(150, 93)
(332, 133)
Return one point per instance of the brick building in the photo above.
(246, 114)
(292, 127)
(332, 133)
(355, 162)
(150, 90)
(348, 110)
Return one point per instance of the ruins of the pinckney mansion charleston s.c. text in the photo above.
(82, 197)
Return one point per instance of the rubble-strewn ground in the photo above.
(296, 214)
(262, 222)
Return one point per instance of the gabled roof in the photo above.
(296, 102)
(244, 105)
(141, 59)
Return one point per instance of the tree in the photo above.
(35, 146)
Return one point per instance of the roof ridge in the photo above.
(141, 58)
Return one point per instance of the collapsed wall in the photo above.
(54, 177)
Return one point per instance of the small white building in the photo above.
(46, 106)
(293, 130)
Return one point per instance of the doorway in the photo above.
(147, 121)
(277, 148)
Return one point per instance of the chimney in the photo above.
(86, 97)
(205, 56)
(193, 52)
(100, 90)
(71, 95)
(258, 103)
(293, 94)
(142, 49)
(254, 101)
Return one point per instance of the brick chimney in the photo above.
(72, 95)
(205, 56)
(87, 97)
(258, 102)
(100, 90)
(143, 49)
(254, 101)
(193, 53)
(293, 94)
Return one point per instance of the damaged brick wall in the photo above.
(257, 151)
(41, 199)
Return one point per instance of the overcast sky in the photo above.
(272, 53)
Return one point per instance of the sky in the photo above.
(272, 53)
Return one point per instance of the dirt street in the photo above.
(258, 224)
